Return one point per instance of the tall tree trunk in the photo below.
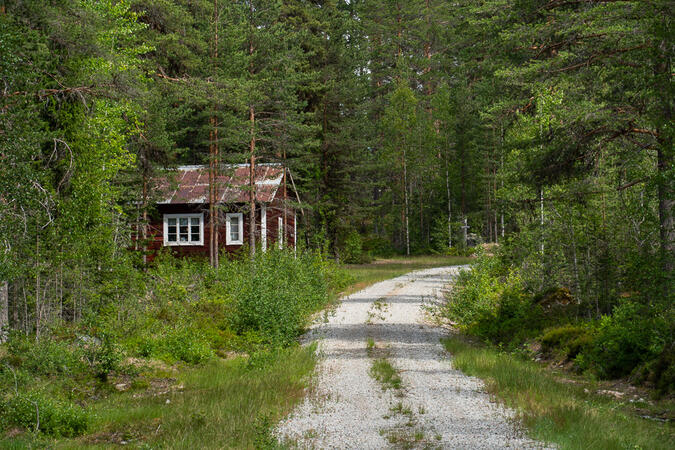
(285, 221)
(447, 187)
(405, 195)
(213, 156)
(4, 307)
(252, 199)
(665, 159)
(144, 206)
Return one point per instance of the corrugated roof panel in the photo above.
(190, 184)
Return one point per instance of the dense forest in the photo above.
(410, 127)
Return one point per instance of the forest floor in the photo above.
(385, 380)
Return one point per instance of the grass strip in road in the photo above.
(554, 411)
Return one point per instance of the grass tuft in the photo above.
(385, 374)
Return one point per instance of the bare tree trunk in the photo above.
(285, 222)
(4, 307)
(213, 160)
(212, 200)
(405, 194)
(447, 187)
(37, 284)
(541, 218)
(665, 162)
(252, 198)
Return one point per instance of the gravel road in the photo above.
(435, 406)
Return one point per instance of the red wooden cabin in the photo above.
(182, 222)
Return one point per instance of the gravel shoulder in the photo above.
(435, 405)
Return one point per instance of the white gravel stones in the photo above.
(348, 409)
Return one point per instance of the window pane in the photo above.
(194, 221)
(172, 237)
(172, 229)
(172, 222)
(183, 221)
(194, 231)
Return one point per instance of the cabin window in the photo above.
(234, 224)
(183, 229)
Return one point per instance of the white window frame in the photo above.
(228, 220)
(188, 216)
(263, 227)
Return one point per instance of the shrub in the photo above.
(54, 417)
(275, 293)
(567, 340)
(182, 343)
(103, 356)
(352, 252)
(187, 345)
(45, 356)
(632, 335)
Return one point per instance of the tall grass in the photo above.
(553, 411)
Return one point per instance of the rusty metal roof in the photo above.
(190, 184)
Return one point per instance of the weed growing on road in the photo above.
(385, 374)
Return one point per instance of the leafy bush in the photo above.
(45, 356)
(631, 336)
(54, 417)
(182, 343)
(103, 356)
(352, 252)
(275, 292)
(566, 340)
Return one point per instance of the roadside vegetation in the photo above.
(516, 309)
(569, 413)
(616, 340)
(190, 357)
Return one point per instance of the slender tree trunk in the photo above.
(285, 221)
(541, 218)
(405, 195)
(38, 307)
(4, 307)
(252, 198)
(447, 187)
(666, 160)
(144, 217)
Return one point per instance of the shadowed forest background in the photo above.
(410, 127)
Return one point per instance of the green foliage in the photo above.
(353, 252)
(54, 417)
(625, 340)
(45, 356)
(183, 344)
(275, 292)
(567, 340)
(491, 302)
